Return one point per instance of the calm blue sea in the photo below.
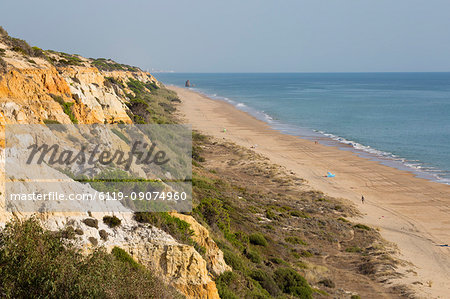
(399, 119)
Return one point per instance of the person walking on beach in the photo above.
(362, 198)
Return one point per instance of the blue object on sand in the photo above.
(330, 175)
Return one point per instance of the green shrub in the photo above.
(233, 260)
(278, 261)
(223, 282)
(328, 283)
(353, 249)
(136, 102)
(196, 136)
(21, 46)
(212, 210)
(120, 135)
(65, 59)
(139, 119)
(300, 214)
(196, 154)
(290, 282)
(67, 108)
(266, 281)
(103, 234)
(91, 222)
(233, 238)
(226, 293)
(68, 233)
(110, 65)
(36, 263)
(200, 249)
(51, 122)
(124, 257)
(3, 32)
(253, 256)
(361, 226)
(112, 221)
(305, 253)
(258, 239)
(205, 184)
(295, 241)
(149, 103)
(177, 228)
(270, 214)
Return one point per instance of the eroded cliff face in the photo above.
(178, 264)
(214, 256)
(27, 95)
(33, 90)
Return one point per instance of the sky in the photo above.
(244, 35)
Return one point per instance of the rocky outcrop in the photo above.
(25, 95)
(214, 256)
(178, 264)
(87, 84)
(28, 89)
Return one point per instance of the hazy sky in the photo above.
(244, 35)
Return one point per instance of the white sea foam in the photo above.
(390, 159)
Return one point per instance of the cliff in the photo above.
(38, 87)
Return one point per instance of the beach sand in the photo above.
(411, 212)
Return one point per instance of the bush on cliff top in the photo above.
(3, 32)
(104, 64)
(36, 263)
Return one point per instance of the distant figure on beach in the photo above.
(362, 198)
(188, 83)
(315, 142)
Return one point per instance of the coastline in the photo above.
(417, 167)
(411, 212)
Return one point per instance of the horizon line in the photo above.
(318, 72)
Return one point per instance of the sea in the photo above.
(399, 119)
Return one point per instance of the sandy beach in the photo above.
(408, 211)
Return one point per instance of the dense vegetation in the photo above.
(104, 64)
(36, 263)
(151, 104)
(177, 228)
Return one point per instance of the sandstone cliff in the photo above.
(37, 87)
